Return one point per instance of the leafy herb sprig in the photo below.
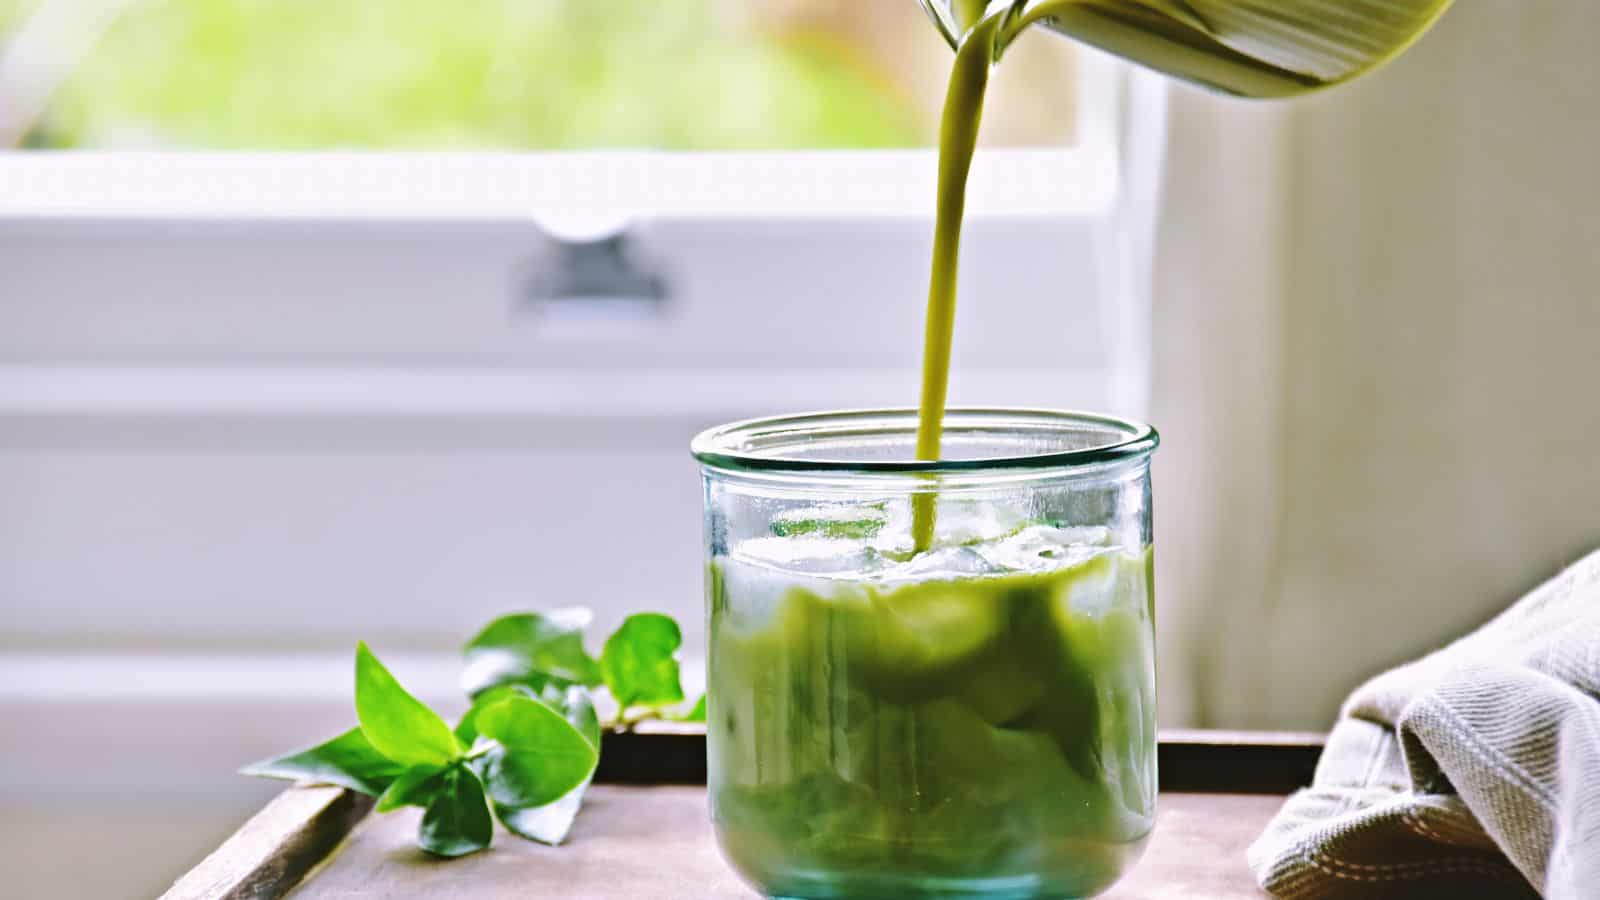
(525, 750)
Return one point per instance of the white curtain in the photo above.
(1377, 362)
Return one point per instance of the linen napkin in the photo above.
(1471, 773)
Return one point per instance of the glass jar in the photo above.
(975, 720)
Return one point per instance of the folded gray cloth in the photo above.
(1474, 772)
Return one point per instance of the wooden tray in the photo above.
(644, 833)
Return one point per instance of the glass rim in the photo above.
(727, 446)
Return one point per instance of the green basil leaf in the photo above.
(542, 755)
(576, 704)
(552, 822)
(548, 824)
(396, 723)
(531, 649)
(573, 702)
(697, 713)
(467, 729)
(638, 662)
(523, 779)
(418, 786)
(524, 723)
(349, 761)
(457, 821)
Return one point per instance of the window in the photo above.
(444, 361)
(254, 406)
(544, 75)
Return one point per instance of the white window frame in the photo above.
(572, 192)
(1099, 192)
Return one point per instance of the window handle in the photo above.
(602, 279)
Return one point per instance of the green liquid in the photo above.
(958, 139)
(1263, 48)
(963, 736)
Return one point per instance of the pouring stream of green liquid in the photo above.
(958, 139)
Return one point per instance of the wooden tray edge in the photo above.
(301, 827)
(269, 854)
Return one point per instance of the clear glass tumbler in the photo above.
(973, 720)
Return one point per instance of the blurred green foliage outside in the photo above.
(486, 74)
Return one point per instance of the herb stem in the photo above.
(624, 723)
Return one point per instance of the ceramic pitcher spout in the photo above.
(1241, 47)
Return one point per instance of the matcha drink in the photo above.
(974, 720)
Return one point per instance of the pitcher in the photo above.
(1250, 48)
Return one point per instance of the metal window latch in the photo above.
(599, 281)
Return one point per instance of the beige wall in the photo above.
(1381, 388)
(1219, 274)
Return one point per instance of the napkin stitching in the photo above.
(1411, 865)
(1403, 871)
(1411, 815)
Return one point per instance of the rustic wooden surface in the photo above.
(276, 848)
(656, 843)
(651, 839)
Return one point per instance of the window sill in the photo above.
(569, 193)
